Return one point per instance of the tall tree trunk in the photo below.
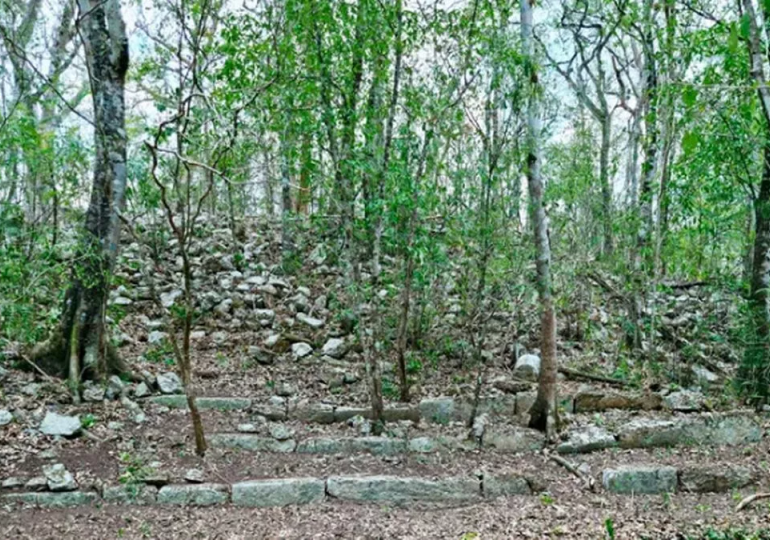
(543, 414)
(386, 150)
(755, 369)
(81, 344)
(604, 180)
(287, 244)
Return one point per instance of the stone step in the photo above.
(294, 491)
(710, 429)
(641, 479)
(635, 479)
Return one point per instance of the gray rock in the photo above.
(142, 390)
(286, 389)
(5, 417)
(440, 410)
(169, 383)
(685, 401)
(253, 443)
(650, 432)
(361, 424)
(179, 401)
(279, 492)
(3, 373)
(38, 483)
(115, 387)
(248, 428)
(167, 299)
(707, 429)
(318, 255)
(527, 367)
(592, 400)
(710, 479)
(138, 494)
(194, 476)
(703, 375)
(193, 494)
(156, 337)
(300, 349)
(58, 478)
(640, 479)
(400, 490)
(93, 393)
(587, 439)
(31, 389)
(335, 347)
(280, 432)
(312, 322)
(504, 485)
(318, 413)
(12, 482)
(514, 439)
(59, 424)
(378, 446)
(52, 500)
(424, 445)
(265, 316)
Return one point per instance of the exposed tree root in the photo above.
(587, 480)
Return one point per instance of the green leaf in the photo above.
(689, 96)
(690, 141)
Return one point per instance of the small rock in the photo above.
(50, 453)
(194, 476)
(479, 426)
(59, 424)
(248, 428)
(685, 401)
(335, 347)
(122, 301)
(58, 478)
(264, 316)
(12, 482)
(5, 417)
(286, 390)
(280, 432)
(142, 390)
(38, 483)
(587, 439)
(169, 383)
(115, 426)
(31, 389)
(312, 322)
(300, 349)
(3, 373)
(156, 337)
(115, 388)
(167, 299)
(262, 356)
(704, 375)
(361, 424)
(93, 392)
(527, 367)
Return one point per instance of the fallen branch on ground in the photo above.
(751, 499)
(582, 375)
(587, 480)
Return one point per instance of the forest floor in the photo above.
(282, 402)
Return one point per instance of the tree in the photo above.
(543, 414)
(81, 344)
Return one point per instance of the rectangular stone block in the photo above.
(378, 446)
(714, 479)
(252, 443)
(194, 494)
(640, 479)
(401, 490)
(279, 492)
(53, 500)
(179, 401)
(140, 494)
(504, 485)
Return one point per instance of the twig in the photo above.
(582, 375)
(750, 499)
(589, 482)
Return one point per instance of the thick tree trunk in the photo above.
(755, 369)
(82, 344)
(543, 414)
